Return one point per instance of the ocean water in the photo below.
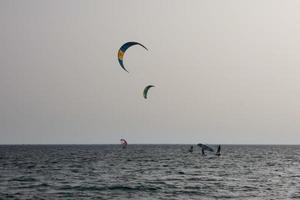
(148, 172)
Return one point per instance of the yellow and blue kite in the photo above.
(122, 50)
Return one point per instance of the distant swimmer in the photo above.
(191, 149)
(218, 153)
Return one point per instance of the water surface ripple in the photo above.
(148, 172)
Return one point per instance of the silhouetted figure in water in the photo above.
(123, 143)
(203, 152)
(218, 153)
(191, 149)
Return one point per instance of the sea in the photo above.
(148, 172)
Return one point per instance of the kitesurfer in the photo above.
(205, 148)
(218, 153)
(191, 149)
(203, 152)
(123, 143)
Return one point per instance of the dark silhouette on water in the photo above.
(203, 152)
(123, 143)
(205, 148)
(218, 153)
(191, 149)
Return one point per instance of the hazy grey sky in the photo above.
(225, 71)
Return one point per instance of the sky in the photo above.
(226, 72)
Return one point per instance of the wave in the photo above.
(113, 187)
